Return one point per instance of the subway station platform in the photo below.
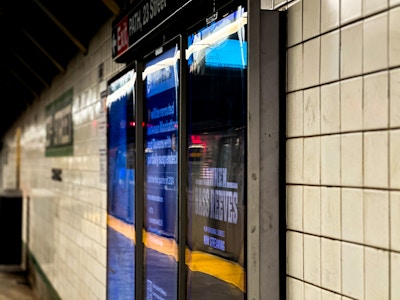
(14, 285)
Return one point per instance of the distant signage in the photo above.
(139, 21)
(59, 127)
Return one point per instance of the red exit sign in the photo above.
(121, 40)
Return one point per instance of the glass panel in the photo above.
(161, 79)
(121, 187)
(217, 62)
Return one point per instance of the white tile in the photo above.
(294, 207)
(329, 15)
(330, 212)
(394, 2)
(351, 104)
(330, 57)
(394, 159)
(376, 218)
(330, 108)
(312, 259)
(295, 68)
(311, 111)
(352, 215)
(312, 160)
(394, 37)
(311, 63)
(295, 289)
(376, 102)
(294, 114)
(330, 160)
(327, 295)
(352, 159)
(374, 6)
(350, 10)
(311, 18)
(376, 152)
(312, 292)
(312, 210)
(331, 273)
(351, 52)
(376, 274)
(294, 253)
(395, 276)
(295, 23)
(294, 160)
(375, 43)
(395, 221)
(353, 270)
(395, 98)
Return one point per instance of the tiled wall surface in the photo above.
(343, 149)
(343, 162)
(67, 223)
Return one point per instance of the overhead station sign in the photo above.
(144, 17)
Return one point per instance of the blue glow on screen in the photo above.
(225, 54)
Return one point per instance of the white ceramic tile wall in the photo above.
(294, 112)
(351, 51)
(375, 45)
(311, 64)
(295, 68)
(71, 213)
(312, 259)
(352, 270)
(350, 10)
(394, 95)
(329, 14)
(294, 289)
(342, 167)
(311, 18)
(312, 292)
(330, 57)
(330, 212)
(376, 112)
(395, 221)
(295, 258)
(330, 264)
(376, 152)
(394, 37)
(351, 103)
(294, 204)
(395, 276)
(352, 207)
(352, 159)
(330, 160)
(311, 111)
(376, 274)
(350, 162)
(330, 108)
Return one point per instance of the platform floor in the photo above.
(14, 285)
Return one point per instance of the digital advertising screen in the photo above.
(216, 238)
(161, 88)
(121, 187)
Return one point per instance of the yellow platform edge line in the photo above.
(218, 267)
(126, 229)
(197, 261)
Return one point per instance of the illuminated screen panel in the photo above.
(121, 187)
(217, 62)
(161, 85)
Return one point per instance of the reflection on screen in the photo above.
(120, 192)
(217, 62)
(161, 79)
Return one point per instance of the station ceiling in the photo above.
(38, 38)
